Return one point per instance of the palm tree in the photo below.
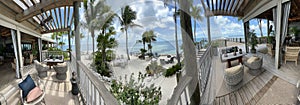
(94, 12)
(195, 13)
(176, 13)
(127, 17)
(149, 36)
(260, 27)
(61, 44)
(105, 42)
(56, 36)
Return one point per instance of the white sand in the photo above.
(135, 66)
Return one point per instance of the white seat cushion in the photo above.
(252, 59)
(233, 69)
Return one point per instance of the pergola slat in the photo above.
(238, 6)
(46, 5)
(231, 4)
(220, 6)
(224, 4)
(234, 5)
(212, 3)
(53, 22)
(23, 1)
(56, 16)
(60, 17)
(207, 2)
(65, 26)
(50, 23)
(68, 17)
(32, 2)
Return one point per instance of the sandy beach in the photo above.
(135, 66)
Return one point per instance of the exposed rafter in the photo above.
(46, 5)
(13, 5)
(57, 30)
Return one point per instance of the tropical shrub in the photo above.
(172, 70)
(135, 92)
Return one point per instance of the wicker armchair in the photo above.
(292, 54)
(41, 69)
(61, 70)
(234, 75)
(254, 64)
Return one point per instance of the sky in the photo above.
(154, 15)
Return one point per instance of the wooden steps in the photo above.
(250, 93)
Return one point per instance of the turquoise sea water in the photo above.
(159, 46)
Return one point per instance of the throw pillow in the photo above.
(252, 59)
(233, 69)
(26, 85)
(34, 94)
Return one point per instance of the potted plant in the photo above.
(252, 41)
(294, 31)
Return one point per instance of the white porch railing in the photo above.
(180, 94)
(91, 87)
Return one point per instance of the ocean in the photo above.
(159, 46)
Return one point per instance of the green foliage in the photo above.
(106, 41)
(101, 67)
(172, 70)
(154, 68)
(252, 39)
(148, 37)
(134, 92)
(294, 30)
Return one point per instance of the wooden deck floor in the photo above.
(253, 90)
(58, 92)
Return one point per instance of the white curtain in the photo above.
(284, 25)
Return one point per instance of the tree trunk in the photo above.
(87, 42)
(195, 31)
(260, 27)
(176, 39)
(189, 52)
(93, 42)
(127, 45)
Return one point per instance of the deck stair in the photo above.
(250, 93)
(200, 53)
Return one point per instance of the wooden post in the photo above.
(20, 51)
(13, 36)
(40, 49)
(69, 41)
(246, 30)
(278, 31)
(77, 35)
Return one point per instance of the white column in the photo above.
(278, 31)
(19, 40)
(208, 29)
(13, 37)
(40, 49)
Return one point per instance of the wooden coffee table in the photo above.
(230, 57)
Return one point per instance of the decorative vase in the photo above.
(240, 51)
(234, 53)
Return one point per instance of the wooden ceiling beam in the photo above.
(15, 7)
(57, 30)
(46, 5)
(49, 24)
